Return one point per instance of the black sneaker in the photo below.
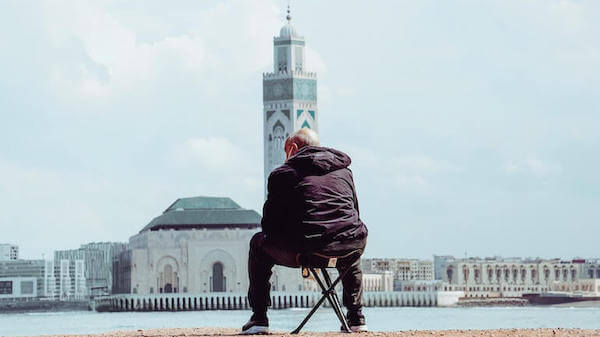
(257, 325)
(356, 321)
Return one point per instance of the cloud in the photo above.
(314, 61)
(407, 173)
(213, 153)
(417, 172)
(532, 166)
(43, 203)
(97, 53)
(223, 164)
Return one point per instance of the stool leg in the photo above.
(337, 307)
(327, 292)
(312, 311)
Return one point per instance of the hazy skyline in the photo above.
(473, 126)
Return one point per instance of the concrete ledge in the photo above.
(421, 333)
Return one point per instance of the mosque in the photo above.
(200, 244)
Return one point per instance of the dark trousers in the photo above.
(265, 253)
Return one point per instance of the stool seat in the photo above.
(319, 260)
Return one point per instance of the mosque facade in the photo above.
(289, 95)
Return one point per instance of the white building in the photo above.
(18, 287)
(197, 245)
(508, 277)
(402, 269)
(289, 95)
(589, 287)
(592, 268)
(378, 282)
(8, 252)
(16, 277)
(64, 279)
(98, 258)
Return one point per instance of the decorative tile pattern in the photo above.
(277, 90)
(289, 42)
(305, 89)
(302, 89)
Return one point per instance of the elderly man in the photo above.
(311, 206)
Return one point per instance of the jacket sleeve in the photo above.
(278, 208)
(354, 196)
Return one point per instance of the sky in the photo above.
(473, 126)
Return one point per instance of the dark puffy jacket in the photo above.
(311, 202)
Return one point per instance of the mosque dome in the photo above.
(288, 31)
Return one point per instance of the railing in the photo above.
(279, 300)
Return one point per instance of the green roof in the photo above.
(204, 212)
(203, 203)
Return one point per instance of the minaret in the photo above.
(289, 95)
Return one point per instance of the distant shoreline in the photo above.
(43, 306)
(492, 301)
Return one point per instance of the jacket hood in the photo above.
(317, 160)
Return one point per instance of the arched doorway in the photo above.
(168, 280)
(218, 282)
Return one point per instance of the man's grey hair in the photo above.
(304, 137)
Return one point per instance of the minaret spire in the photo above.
(289, 16)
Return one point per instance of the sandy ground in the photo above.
(422, 333)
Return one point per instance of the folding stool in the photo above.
(315, 261)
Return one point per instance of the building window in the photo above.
(5, 287)
(299, 59)
(282, 60)
(218, 279)
(27, 287)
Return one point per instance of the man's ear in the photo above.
(293, 148)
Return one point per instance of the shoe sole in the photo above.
(359, 328)
(256, 330)
(356, 328)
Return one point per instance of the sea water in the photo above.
(378, 319)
